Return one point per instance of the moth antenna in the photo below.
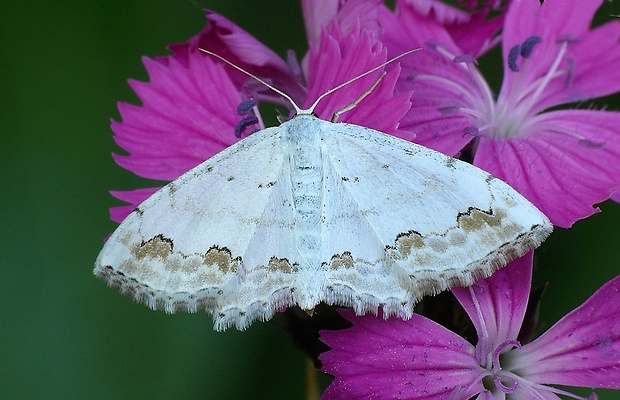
(370, 71)
(298, 110)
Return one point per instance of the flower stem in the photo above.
(312, 386)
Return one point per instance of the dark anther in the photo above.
(244, 123)
(528, 45)
(432, 44)
(570, 77)
(512, 58)
(465, 58)
(449, 110)
(567, 38)
(590, 144)
(245, 107)
(471, 131)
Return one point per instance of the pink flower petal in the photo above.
(589, 67)
(487, 395)
(473, 32)
(188, 115)
(436, 80)
(317, 16)
(349, 15)
(566, 161)
(339, 58)
(582, 349)
(595, 58)
(220, 33)
(526, 18)
(479, 35)
(443, 13)
(389, 359)
(228, 40)
(500, 301)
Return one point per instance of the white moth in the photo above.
(313, 211)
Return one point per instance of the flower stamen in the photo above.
(245, 107)
(500, 349)
(244, 123)
(248, 109)
(528, 45)
(517, 109)
(513, 56)
(548, 76)
(511, 386)
(465, 58)
(479, 106)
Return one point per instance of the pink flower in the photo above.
(194, 106)
(473, 31)
(348, 14)
(420, 359)
(564, 161)
(180, 123)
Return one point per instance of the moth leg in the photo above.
(356, 102)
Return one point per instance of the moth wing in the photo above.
(416, 222)
(206, 240)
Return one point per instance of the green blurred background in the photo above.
(63, 333)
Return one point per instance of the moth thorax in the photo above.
(307, 180)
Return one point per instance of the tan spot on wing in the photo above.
(157, 247)
(185, 264)
(438, 245)
(476, 220)
(208, 278)
(125, 239)
(509, 200)
(279, 264)
(344, 260)
(142, 268)
(222, 259)
(407, 242)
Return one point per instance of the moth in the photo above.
(315, 211)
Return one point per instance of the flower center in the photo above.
(502, 380)
(499, 379)
(514, 111)
(500, 365)
(517, 105)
